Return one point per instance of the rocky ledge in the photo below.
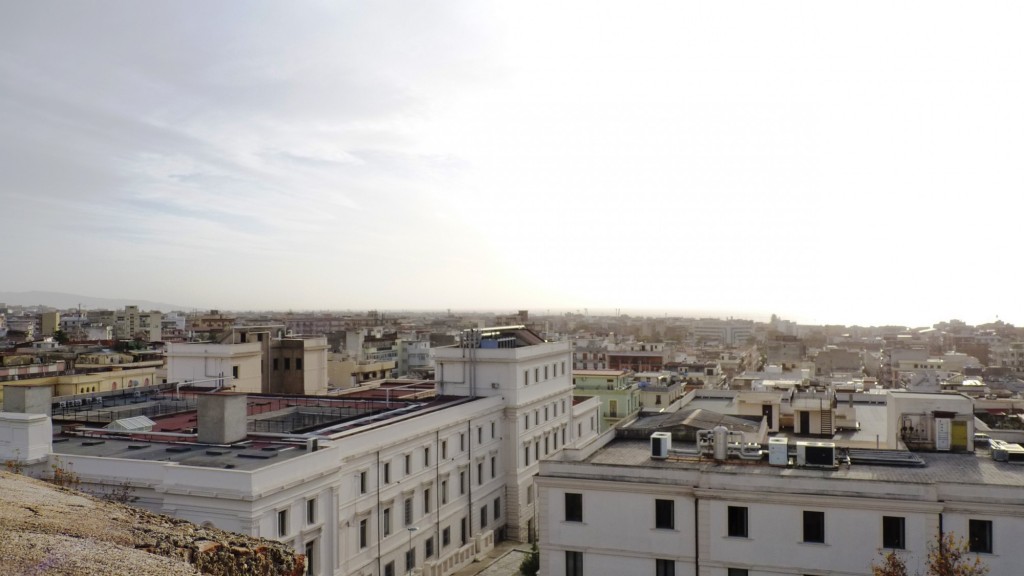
(46, 530)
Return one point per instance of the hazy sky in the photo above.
(854, 163)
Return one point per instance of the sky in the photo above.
(855, 163)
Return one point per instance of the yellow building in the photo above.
(71, 384)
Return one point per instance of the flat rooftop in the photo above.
(270, 420)
(242, 456)
(951, 468)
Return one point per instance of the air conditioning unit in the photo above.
(778, 451)
(1007, 452)
(816, 454)
(661, 443)
(495, 385)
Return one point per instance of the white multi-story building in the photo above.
(622, 505)
(534, 380)
(364, 485)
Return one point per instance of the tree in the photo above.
(531, 564)
(892, 565)
(60, 336)
(951, 556)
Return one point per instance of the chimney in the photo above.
(222, 418)
(22, 399)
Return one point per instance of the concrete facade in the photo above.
(233, 365)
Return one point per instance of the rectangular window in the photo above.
(362, 482)
(428, 547)
(462, 482)
(536, 374)
(364, 532)
(573, 563)
(814, 527)
(387, 472)
(444, 491)
(665, 514)
(479, 473)
(275, 364)
(526, 421)
(497, 507)
(893, 532)
(526, 455)
(545, 413)
(410, 560)
(738, 521)
(493, 430)
(563, 374)
(234, 372)
(387, 521)
(310, 558)
(980, 536)
(546, 445)
(462, 531)
(408, 464)
(483, 516)
(737, 572)
(462, 441)
(282, 522)
(287, 363)
(545, 372)
(426, 456)
(444, 449)
(494, 466)
(426, 500)
(664, 567)
(389, 569)
(408, 511)
(311, 511)
(573, 507)
(526, 377)
(479, 434)
(446, 536)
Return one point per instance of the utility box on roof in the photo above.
(778, 451)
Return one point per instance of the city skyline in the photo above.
(817, 162)
(85, 304)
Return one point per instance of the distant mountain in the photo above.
(63, 301)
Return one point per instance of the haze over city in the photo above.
(852, 164)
